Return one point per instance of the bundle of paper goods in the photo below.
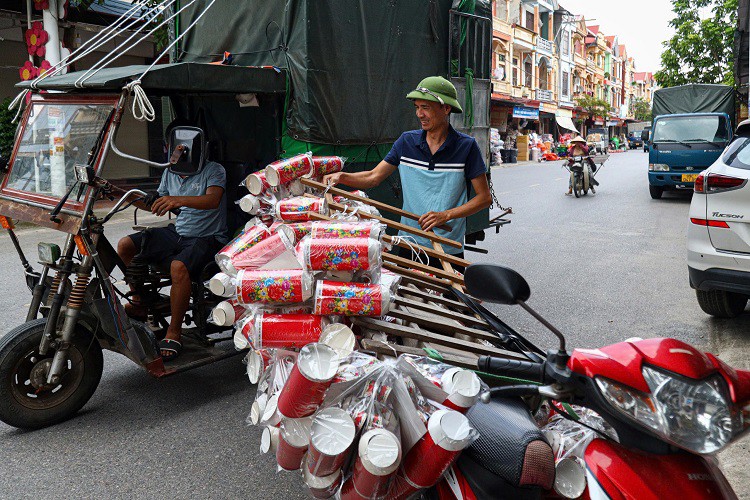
(311, 282)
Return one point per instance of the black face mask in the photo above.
(187, 150)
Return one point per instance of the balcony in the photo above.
(544, 95)
(523, 35)
(502, 87)
(590, 66)
(544, 45)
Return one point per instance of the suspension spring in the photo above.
(78, 294)
(55, 285)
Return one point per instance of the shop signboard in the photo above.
(524, 112)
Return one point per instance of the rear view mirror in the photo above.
(497, 284)
(187, 150)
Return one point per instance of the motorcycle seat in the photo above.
(510, 445)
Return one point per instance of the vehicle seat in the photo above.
(511, 453)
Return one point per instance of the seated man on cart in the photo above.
(199, 232)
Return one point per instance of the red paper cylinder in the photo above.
(226, 313)
(322, 487)
(463, 388)
(324, 165)
(311, 376)
(345, 229)
(448, 432)
(291, 331)
(256, 183)
(331, 438)
(379, 458)
(292, 445)
(351, 299)
(295, 231)
(346, 254)
(273, 286)
(298, 209)
(242, 252)
(285, 171)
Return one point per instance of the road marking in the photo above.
(534, 185)
(560, 178)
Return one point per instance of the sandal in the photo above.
(172, 347)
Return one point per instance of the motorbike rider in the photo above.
(578, 147)
(199, 231)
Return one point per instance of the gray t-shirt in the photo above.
(193, 222)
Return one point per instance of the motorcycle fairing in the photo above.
(625, 473)
(622, 362)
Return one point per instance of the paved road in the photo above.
(602, 268)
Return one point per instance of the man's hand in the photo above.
(432, 220)
(333, 179)
(164, 204)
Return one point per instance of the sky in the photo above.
(640, 24)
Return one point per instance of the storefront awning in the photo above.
(566, 123)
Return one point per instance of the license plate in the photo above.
(689, 177)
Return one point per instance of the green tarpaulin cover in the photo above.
(350, 62)
(694, 98)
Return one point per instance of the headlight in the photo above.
(696, 415)
(48, 252)
(658, 167)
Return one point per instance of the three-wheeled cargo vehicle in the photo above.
(278, 79)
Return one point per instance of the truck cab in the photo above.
(682, 146)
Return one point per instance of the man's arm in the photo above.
(362, 180)
(209, 201)
(479, 201)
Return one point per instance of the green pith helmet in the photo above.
(437, 89)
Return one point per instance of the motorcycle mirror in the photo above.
(503, 285)
(497, 284)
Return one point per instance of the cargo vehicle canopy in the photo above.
(694, 98)
(167, 78)
(350, 63)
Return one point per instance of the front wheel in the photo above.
(721, 304)
(27, 401)
(578, 185)
(655, 192)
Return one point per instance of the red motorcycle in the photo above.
(663, 408)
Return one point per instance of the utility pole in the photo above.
(49, 17)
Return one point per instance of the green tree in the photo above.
(593, 105)
(640, 109)
(699, 51)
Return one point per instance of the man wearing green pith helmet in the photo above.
(435, 164)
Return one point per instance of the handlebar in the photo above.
(125, 197)
(527, 370)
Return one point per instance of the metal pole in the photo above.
(49, 16)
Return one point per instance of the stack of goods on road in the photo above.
(297, 282)
(359, 427)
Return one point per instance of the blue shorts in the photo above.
(164, 245)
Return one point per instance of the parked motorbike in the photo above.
(653, 413)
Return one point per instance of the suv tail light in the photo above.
(713, 183)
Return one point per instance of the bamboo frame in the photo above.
(385, 348)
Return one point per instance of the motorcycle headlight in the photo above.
(658, 167)
(696, 415)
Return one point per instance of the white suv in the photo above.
(719, 231)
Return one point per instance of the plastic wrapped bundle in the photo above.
(295, 231)
(254, 205)
(299, 208)
(448, 433)
(351, 299)
(344, 254)
(228, 312)
(322, 486)
(256, 183)
(293, 440)
(291, 331)
(324, 165)
(222, 284)
(273, 286)
(379, 455)
(332, 437)
(346, 229)
(252, 249)
(313, 373)
(283, 172)
(391, 280)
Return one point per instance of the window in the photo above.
(691, 129)
(515, 71)
(527, 72)
(565, 83)
(566, 44)
(529, 20)
(578, 48)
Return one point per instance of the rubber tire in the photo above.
(721, 304)
(17, 343)
(576, 190)
(655, 192)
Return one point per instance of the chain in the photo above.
(495, 201)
